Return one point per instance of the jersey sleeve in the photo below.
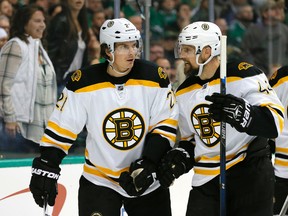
(164, 115)
(66, 122)
(258, 92)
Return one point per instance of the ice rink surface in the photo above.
(15, 198)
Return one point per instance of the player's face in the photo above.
(124, 55)
(187, 54)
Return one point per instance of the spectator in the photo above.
(229, 11)
(3, 37)
(183, 18)
(97, 20)
(67, 40)
(93, 48)
(28, 82)
(5, 23)
(201, 12)
(184, 15)
(192, 3)
(137, 21)
(92, 7)
(222, 24)
(169, 41)
(131, 119)
(108, 8)
(243, 20)
(237, 29)
(129, 8)
(280, 11)
(156, 50)
(156, 27)
(6, 8)
(167, 13)
(266, 43)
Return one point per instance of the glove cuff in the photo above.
(40, 168)
(53, 156)
(144, 162)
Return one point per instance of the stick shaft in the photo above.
(47, 208)
(284, 207)
(223, 71)
(45, 204)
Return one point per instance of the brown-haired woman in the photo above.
(28, 88)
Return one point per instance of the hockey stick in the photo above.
(46, 207)
(223, 61)
(284, 207)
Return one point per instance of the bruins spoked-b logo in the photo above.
(207, 129)
(123, 128)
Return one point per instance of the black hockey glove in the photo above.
(44, 182)
(141, 175)
(174, 164)
(233, 110)
(280, 194)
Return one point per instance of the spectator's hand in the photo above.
(174, 164)
(139, 178)
(43, 182)
(12, 128)
(233, 110)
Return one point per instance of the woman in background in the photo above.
(28, 90)
(67, 40)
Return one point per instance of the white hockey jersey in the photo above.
(279, 81)
(243, 80)
(118, 114)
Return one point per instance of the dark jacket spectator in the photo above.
(67, 38)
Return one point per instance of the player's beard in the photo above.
(189, 70)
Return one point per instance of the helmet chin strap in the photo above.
(201, 65)
(116, 71)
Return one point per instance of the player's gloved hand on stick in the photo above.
(233, 110)
(174, 164)
(43, 183)
(141, 175)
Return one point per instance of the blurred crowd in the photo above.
(256, 31)
(264, 21)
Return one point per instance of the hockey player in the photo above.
(129, 111)
(280, 84)
(252, 112)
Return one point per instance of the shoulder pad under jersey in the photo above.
(87, 76)
(278, 75)
(242, 69)
(148, 71)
